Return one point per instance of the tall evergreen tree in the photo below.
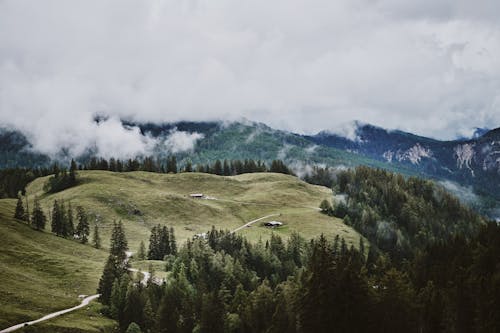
(72, 173)
(173, 243)
(69, 226)
(20, 213)
(64, 219)
(112, 271)
(172, 164)
(141, 254)
(38, 219)
(164, 243)
(116, 264)
(83, 227)
(188, 167)
(119, 244)
(96, 239)
(57, 222)
(218, 168)
(154, 244)
(226, 169)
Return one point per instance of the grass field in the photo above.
(143, 199)
(41, 273)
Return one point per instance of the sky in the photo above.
(429, 67)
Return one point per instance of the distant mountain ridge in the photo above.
(473, 162)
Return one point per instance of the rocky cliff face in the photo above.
(473, 162)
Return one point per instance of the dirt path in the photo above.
(253, 221)
(84, 303)
(145, 275)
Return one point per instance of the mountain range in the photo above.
(472, 163)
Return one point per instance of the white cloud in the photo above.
(113, 140)
(463, 193)
(428, 67)
(179, 141)
(347, 130)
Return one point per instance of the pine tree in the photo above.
(115, 265)
(57, 219)
(64, 219)
(38, 219)
(226, 169)
(134, 305)
(141, 254)
(164, 243)
(154, 244)
(173, 243)
(188, 167)
(20, 213)
(69, 226)
(96, 239)
(172, 164)
(218, 168)
(119, 297)
(83, 227)
(72, 173)
(115, 300)
(112, 271)
(119, 244)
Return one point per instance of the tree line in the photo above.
(13, 181)
(64, 221)
(170, 165)
(61, 179)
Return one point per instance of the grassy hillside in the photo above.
(41, 273)
(142, 199)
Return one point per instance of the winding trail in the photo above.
(84, 303)
(88, 299)
(253, 221)
(145, 274)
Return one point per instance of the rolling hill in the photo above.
(472, 163)
(142, 200)
(42, 273)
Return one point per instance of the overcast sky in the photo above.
(430, 67)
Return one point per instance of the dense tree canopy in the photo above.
(401, 215)
(226, 284)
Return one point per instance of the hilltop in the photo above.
(143, 199)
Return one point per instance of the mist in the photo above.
(429, 68)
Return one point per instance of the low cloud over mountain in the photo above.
(429, 68)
